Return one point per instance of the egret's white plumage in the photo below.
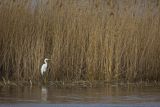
(44, 66)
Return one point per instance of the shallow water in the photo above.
(110, 95)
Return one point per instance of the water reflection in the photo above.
(108, 94)
(44, 94)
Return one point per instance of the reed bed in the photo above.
(112, 40)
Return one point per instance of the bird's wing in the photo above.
(43, 68)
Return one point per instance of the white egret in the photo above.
(44, 66)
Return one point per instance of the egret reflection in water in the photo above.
(44, 94)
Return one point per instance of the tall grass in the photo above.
(86, 40)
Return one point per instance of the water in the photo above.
(110, 95)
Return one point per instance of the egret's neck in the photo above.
(45, 61)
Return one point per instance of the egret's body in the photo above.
(44, 66)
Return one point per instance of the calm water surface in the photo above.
(122, 95)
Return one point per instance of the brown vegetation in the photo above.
(86, 40)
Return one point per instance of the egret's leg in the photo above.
(42, 80)
(45, 79)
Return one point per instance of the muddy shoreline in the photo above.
(78, 84)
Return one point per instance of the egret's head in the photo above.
(46, 59)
